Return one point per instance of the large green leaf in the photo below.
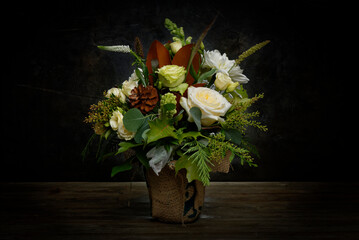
(233, 135)
(160, 128)
(133, 119)
(141, 156)
(139, 133)
(207, 75)
(124, 146)
(192, 169)
(191, 134)
(197, 115)
(121, 168)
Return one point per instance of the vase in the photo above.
(222, 165)
(173, 199)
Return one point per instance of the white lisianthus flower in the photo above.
(116, 123)
(117, 92)
(214, 59)
(113, 91)
(236, 74)
(130, 84)
(211, 103)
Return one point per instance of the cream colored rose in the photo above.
(116, 123)
(222, 81)
(212, 104)
(171, 75)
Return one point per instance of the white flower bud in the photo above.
(222, 81)
(175, 46)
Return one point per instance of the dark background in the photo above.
(56, 72)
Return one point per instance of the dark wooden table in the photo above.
(241, 210)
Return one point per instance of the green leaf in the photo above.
(169, 106)
(124, 146)
(192, 169)
(233, 135)
(193, 74)
(121, 168)
(197, 115)
(160, 128)
(180, 88)
(198, 156)
(133, 119)
(191, 134)
(242, 92)
(207, 75)
(140, 76)
(139, 133)
(141, 156)
(107, 133)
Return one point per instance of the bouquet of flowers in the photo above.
(183, 106)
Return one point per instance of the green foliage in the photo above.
(124, 146)
(177, 32)
(197, 154)
(239, 118)
(168, 105)
(251, 51)
(233, 135)
(218, 147)
(191, 169)
(197, 115)
(121, 168)
(102, 111)
(133, 119)
(160, 128)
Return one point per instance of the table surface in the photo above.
(232, 210)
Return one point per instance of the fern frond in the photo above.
(199, 156)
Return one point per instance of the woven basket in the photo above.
(173, 199)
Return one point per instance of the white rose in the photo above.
(130, 84)
(171, 75)
(212, 104)
(116, 123)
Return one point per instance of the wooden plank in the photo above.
(233, 210)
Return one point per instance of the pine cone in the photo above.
(144, 98)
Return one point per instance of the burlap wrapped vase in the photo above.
(222, 165)
(173, 198)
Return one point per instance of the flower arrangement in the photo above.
(183, 106)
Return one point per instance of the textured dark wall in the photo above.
(56, 73)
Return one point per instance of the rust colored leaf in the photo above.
(157, 52)
(182, 58)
